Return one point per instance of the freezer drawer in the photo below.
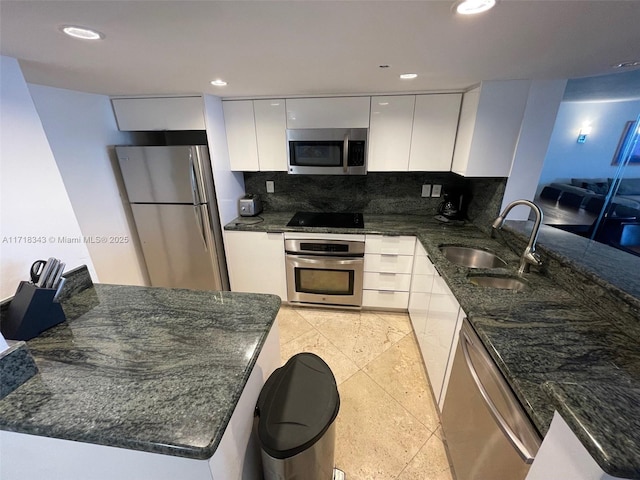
(173, 244)
(488, 434)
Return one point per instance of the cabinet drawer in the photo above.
(387, 281)
(401, 245)
(385, 299)
(443, 306)
(422, 283)
(376, 262)
(423, 266)
(440, 287)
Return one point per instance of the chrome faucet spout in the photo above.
(529, 256)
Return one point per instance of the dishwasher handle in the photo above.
(520, 447)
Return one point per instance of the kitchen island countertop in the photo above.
(150, 369)
(555, 343)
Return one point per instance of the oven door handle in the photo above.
(324, 261)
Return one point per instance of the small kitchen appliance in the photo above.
(249, 205)
(327, 151)
(452, 207)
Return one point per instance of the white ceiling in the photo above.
(277, 48)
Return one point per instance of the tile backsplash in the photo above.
(374, 193)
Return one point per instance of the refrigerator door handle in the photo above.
(197, 209)
(194, 182)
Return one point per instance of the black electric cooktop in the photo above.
(334, 220)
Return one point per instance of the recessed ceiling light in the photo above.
(82, 32)
(218, 83)
(408, 76)
(471, 7)
(632, 63)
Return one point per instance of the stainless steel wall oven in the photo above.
(328, 272)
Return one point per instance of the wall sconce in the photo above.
(584, 131)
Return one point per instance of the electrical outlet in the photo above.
(426, 190)
(436, 191)
(270, 186)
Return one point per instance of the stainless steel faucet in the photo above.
(529, 256)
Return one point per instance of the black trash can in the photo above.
(297, 408)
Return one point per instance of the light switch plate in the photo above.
(270, 186)
(436, 191)
(426, 190)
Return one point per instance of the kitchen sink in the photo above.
(504, 283)
(471, 257)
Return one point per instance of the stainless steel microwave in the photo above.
(327, 151)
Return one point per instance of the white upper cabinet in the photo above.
(159, 113)
(490, 122)
(435, 123)
(271, 126)
(256, 134)
(334, 112)
(413, 132)
(239, 122)
(390, 133)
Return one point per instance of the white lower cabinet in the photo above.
(255, 261)
(388, 264)
(436, 319)
(562, 455)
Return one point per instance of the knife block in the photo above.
(31, 312)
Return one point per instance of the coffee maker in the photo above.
(452, 207)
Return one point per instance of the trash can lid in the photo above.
(296, 406)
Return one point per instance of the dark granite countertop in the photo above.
(559, 343)
(151, 369)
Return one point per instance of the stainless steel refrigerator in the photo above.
(172, 197)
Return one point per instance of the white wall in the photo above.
(568, 159)
(229, 185)
(35, 210)
(80, 127)
(536, 129)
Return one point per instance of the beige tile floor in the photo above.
(388, 426)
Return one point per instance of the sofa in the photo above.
(588, 193)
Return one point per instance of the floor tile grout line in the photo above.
(398, 402)
(316, 330)
(419, 449)
(350, 357)
(295, 338)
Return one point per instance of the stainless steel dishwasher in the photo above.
(488, 433)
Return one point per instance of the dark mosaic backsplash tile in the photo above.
(486, 194)
(374, 193)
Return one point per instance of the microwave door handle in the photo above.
(513, 438)
(345, 154)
